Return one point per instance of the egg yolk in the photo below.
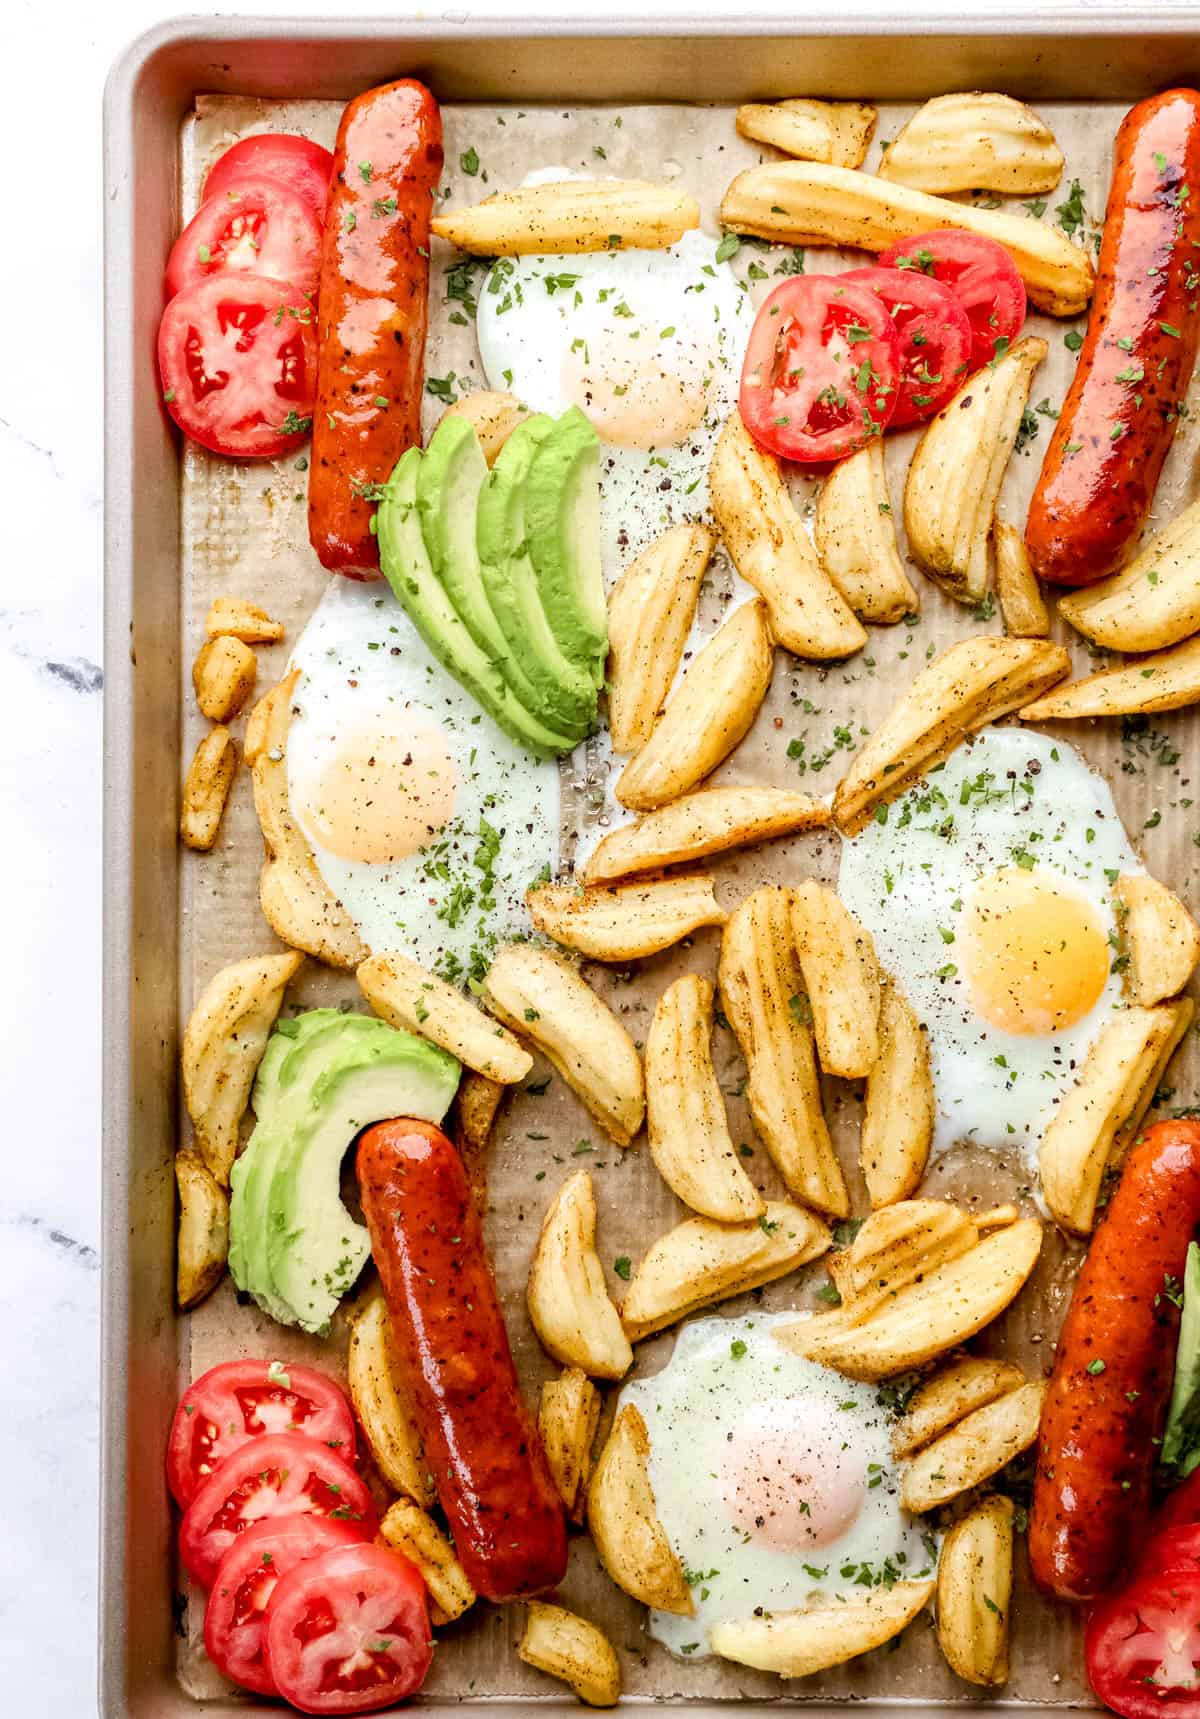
(1034, 952)
(792, 1478)
(632, 396)
(382, 796)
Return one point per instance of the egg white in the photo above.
(363, 667)
(906, 878)
(721, 1369)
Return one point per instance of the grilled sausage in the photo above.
(1111, 1382)
(1118, 421)
(371, 315)
(487, 1461)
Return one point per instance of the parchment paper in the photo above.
(244, 531)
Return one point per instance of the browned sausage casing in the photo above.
(371, 315)
(1108, 1393)
(1118, 421)
(483, 1450)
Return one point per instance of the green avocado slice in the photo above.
(562, 682)
(406, 566)
(562, 518)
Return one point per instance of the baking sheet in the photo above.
(244, 531)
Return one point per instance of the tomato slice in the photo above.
(348, 1632)
(1171, 1549)
(280, 1474)
(241, 1400)
(304, 167)
(981, 275)
(237, 357)
(821, 369)
(256, 226)
(235, 1619)
(1143, 1647)
(934, 336)
(1181, 1505)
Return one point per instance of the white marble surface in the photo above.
(53, 59)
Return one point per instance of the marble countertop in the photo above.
(51, 472)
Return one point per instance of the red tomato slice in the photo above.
(241, 1400)
(235, 1619)
(256, 226)
(1143, 1648)
(1171, 1549)
(348, 1632)
(982, 276)
(237, 357)
(821, 369)
(280, 1474)
(1181, 1505)
(302, 166)
(934, 335)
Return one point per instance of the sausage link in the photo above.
(371, 314)
(1108, 1392)
(487, 1461)
(1118, 421)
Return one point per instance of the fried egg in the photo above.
(426, 821)
(773, 1478)
(649, 344)
(988, 891)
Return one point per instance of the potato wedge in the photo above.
(206, 789)
(686, 1123)
(933, 1310)
(841, 976)
(623, 1520)
(405, 995)
(855, 536)
(807, 203)
(974, 141)
(1161, 938)
(1021, 604)
(799, 1643)
(834, 131)
(223, 1043)
(974, 682)
(894, 1247)
(408, 1530)
(955, 476)
(1151, 603)
(476, 1103)
(202, 1242)
(974, 1592)
(1167, 680)
(624, 922)
(898, 1108)
(650, 612)
(974, 1449)
(298, 904)
(700, 1262)
(575, 1651)
(542, 998)
(711, 821)
(711, 710)
(762, 993)
(568, 1416)
(772, 551)
(570, 216)
(954, 1391)
(494, 414)
(235, 618)
(1098, 1118)
(382, 1405)
(566, 1293)
(223, 676)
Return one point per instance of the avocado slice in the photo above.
(1181, 1439)
(562, 519)
(563, 684)
(297, 1250)
(451, 477)
(406, 566)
